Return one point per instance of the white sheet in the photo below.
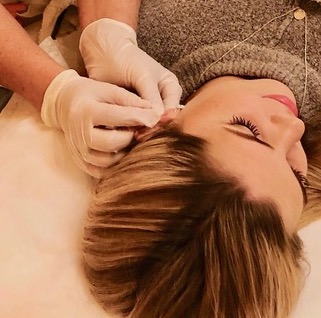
(44, 197)
(309, 305)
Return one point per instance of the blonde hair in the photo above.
(170, 236)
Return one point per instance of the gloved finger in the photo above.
(121, 96)
(169, 115)
(171, 92)
(94, 171)
(145, 133)
(102, 159)
(88, 168)
(116, 116)
(148, 89)
(109, 140)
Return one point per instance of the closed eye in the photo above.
(238, 120)
(247, 136)
(303, 183)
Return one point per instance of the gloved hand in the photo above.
(77, 105)
(110, 52)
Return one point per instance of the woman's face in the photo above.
(254, 134)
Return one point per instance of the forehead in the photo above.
(263, 173)
(260, 170)
(210, 103)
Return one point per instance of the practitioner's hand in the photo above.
(111, 54)
(78, 105)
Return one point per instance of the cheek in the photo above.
(197, 121)
(292, 206)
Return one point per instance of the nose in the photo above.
(289, 129)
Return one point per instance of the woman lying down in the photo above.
(200, 219)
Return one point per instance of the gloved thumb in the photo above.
(171, 92)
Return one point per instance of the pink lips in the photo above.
(286, 101)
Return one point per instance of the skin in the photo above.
(125, 11)
(265, 169)
(28, 70)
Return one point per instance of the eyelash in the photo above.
(237, 120)
(302, 179)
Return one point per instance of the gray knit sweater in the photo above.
(187, 36)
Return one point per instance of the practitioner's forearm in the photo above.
(122, 10)
(24, 67)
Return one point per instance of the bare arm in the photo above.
(24, 67)
(125, 11)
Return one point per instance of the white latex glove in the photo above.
(77, 105)
(110, 52)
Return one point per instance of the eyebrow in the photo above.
(255, 139)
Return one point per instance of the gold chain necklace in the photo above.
(299, 14)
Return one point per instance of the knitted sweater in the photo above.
(190, 38)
